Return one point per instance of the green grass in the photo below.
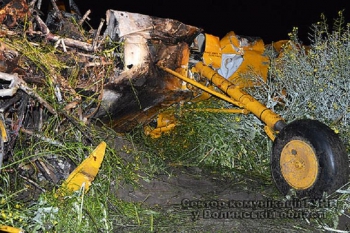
(218, 141)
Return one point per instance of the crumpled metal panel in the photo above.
(136, 94)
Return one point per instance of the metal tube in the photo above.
(200, 86)
(269, 117)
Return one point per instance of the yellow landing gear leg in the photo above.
(307, 155)
(271, 119)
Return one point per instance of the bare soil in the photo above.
(181, 188)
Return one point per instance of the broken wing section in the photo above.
(137, 93)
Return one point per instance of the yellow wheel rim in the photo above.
(299, 164)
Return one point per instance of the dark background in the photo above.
(270, 20)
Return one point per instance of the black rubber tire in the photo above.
(332, 158)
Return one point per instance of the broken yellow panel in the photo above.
(253, 58)
(8, 229)
(3, 131)
(85, 173)
(212, 52)
(166, 121)
(257, 46)
(157, 132)
(230, 44)
(279, 45)
(240, 56)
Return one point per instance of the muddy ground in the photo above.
(182, 188)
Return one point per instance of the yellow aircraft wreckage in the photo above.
(307, 155)
(164, 62)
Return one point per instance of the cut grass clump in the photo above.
(222, 142)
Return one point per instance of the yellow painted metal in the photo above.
(269, 117)
(230, 44)
(3, 139)
(219, 110)
(254, 59)
(279, 45)
(3, 131)
(166, 121)
(299, 164)
(201, 86)
(212, 52)
(8, 229)
(157, 132)
(202, 96)
(270, 132)
(85, 173)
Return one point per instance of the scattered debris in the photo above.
(57, 68)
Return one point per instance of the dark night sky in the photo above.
(270, 20)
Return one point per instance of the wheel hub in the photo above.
(299, 164)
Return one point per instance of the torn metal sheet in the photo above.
(235, 55)
(85, 173)
(134, 96)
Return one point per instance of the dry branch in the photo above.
(67, 41)
(49, 140)
(98, 32)
(71, 42)
(85, 17)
